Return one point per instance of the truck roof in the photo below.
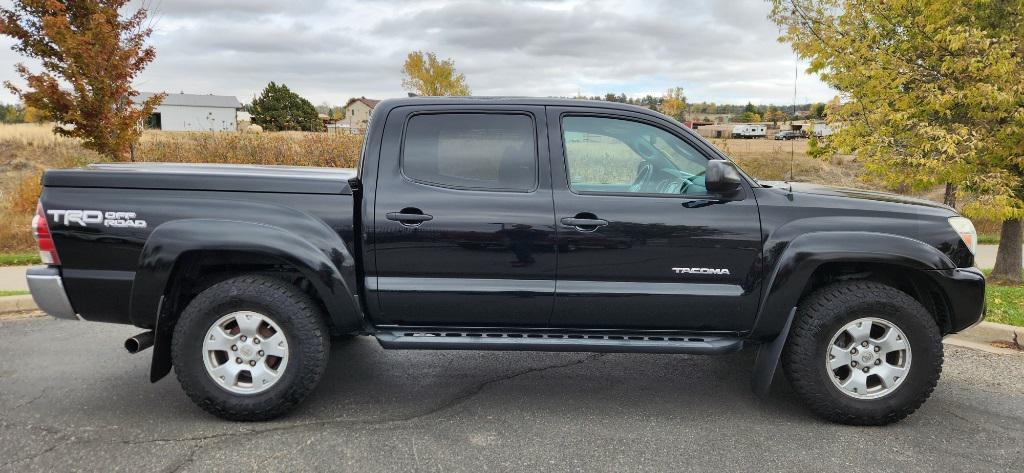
(505, 100)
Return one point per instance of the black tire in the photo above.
(298, 316)
(824, 313)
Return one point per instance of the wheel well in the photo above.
(197, 270)
(902, 278)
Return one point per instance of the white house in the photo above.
(192, 112)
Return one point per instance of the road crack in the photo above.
(204, 441)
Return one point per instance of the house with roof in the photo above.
(357, 113)
(193, 112)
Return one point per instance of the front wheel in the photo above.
(863, 353)
(250, 348)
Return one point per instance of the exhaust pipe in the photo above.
(139, 342)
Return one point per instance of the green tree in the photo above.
(424, 74)
(932, 95)
(818, 110)
(279, 109)
(89, 56)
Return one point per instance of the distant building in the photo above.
(810, 127)
(192, 112)
(718, 130)
(357, 113)
(695, 124)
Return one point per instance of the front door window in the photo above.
(607, 155)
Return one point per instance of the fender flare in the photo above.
(798, 260)
(317, 253)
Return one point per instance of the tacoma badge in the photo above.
(721, 271)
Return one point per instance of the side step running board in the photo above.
(539, 341)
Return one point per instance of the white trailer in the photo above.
(748, 130)
(821, 130)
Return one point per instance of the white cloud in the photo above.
(722, 51)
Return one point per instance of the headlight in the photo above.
(965, 229)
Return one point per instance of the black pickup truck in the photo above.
(510, 224)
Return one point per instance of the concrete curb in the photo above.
(981, 336)
(16, 304)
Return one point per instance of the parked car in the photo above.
(788, 135)
(485, 224)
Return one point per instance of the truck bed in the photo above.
(213, 177)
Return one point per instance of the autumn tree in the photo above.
(746, 117)
(279, 109)
(89, 54)
(774, 115)
(673, 103)
(932, 94)
(424, 74)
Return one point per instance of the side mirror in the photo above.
(721, 177)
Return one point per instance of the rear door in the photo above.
(641, 243)
(463, 224)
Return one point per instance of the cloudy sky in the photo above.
(717, 50)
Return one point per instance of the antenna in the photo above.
(792, 143)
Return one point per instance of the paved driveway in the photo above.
(72, 399)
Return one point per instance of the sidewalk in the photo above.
(986, 257)
(12, 278)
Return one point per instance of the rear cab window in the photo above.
(478, 151)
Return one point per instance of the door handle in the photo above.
(408, 218)
(584, 224)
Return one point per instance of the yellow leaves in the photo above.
(424, 74)
(673, 102)
(934, 89)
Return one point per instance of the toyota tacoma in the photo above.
(510, 224)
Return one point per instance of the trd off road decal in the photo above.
(85, 218)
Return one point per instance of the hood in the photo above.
(860, 194)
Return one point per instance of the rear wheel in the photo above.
(250, 348)
(863, 353)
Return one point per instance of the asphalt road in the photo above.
(72, 399)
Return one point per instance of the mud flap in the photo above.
(767, 361)
(161, 363)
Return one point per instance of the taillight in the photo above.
(41, 230)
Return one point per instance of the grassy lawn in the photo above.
(988, 239)
(1005, 303)
(12, 293)
(20, 258)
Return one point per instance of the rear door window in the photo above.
(485, 151)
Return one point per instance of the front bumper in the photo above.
(47, 289)
(964, 289)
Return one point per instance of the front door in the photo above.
(463, 219)
(641, 244)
